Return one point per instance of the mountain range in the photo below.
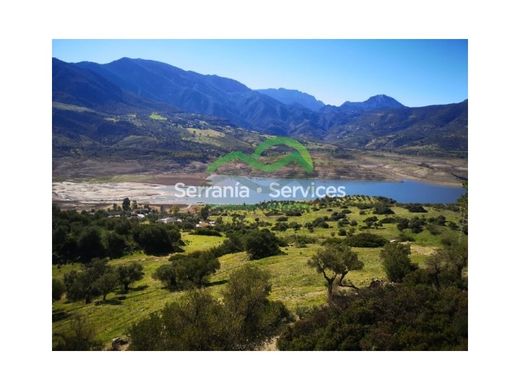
(143, 86)
(293, 97)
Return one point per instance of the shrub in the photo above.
(207, 232)
(415, 208)
(416, 225)
(253, 316)
(90, 245)
(396, 261)
(300, 240)
(116, 245)
(433, 229)
(366, 240)
(155, 239)
(244, 319)
(232, 244)
(261, 244)
(84, 284)
(382, 208)
(403, 317)
(187, 270)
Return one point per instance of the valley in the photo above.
(135, 267)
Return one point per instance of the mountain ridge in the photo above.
(129, 85)
(293, 97)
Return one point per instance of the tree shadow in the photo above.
(216, 283)
(108, 302)
(58, 315)
(138, 288)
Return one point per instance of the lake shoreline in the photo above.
(72, 194)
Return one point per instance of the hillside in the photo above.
(130, 84)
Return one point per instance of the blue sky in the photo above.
(415, 72)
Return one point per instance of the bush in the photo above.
(244, 319)
(196, 323)
(90, 245)
(300, 240)
(396, 261)
(382, 209)
(403, 317)
(370, 221)
(84, 284)
(416, 225)
(366, 240)
(404, 237)
(232, 244)
(402, 224)
(187, 270)
(415, 208)
(207, 232)
(155, 239)
(116, 245)
(252, 315)
(261, 244)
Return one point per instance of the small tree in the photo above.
(396, 261)
(126, 204)
(204, 213)
(116, 245)
(90, 245)
(261, 244)
(154, 239)
(334, 262)
(196, 322)
(252, 316)
(129, 273)
(166, 274)
(82, 284)
(188, 270)
(106, 283)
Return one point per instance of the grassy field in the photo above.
(293, 282)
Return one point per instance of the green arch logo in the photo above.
(300, 156)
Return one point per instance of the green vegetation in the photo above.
(334, 262)
(190, 270)
(396, 261)
(123, 291)
(157, 117)
(200, 322)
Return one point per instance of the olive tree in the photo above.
(334, 262)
